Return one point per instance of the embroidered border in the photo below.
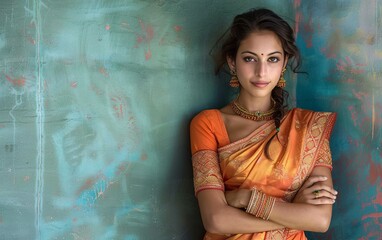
(324, 156)
(320, 129)
(207, 174)
(280, 234)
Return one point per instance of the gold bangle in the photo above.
(270, 208)
(260, 205)
(252, 201)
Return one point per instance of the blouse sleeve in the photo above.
(205, 162)
(324, 156)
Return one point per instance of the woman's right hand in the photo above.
(315, 192)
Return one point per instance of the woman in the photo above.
(261, 171)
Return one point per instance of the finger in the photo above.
(319, 187)
(322, 201)
(314, 179)
(323, 194)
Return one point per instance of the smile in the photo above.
(260, 84)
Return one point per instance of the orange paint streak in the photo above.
(360, 95)
(350, 80)
(149, 33)
(373, 117)
(378, 199)
(177, 28)
(372, 215)
(148, 36)
(349, 66)
(353, 114)
(89, 183)
(123, 168)
(139, 39)
(144, 156)
(148, 55)
(74, 84)
(103, 71)
(31, 40)
(297, 20)
(16, 82)
(308, 28)
(375, 172)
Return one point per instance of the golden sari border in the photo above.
(319, 129)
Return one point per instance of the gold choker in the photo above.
(255, 116)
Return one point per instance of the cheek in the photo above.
(276, 70)
(243, 69)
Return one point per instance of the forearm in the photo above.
(229, 220)
(220, 218)
(307, 212)
(315, 218)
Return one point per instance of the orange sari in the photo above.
(302, 144)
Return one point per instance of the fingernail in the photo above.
(325, 178)
(335, 192)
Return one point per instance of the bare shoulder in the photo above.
(227, 110)
(227, 114)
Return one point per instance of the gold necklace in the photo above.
(256, 115)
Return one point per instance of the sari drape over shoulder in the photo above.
(301, 144)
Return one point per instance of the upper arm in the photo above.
(202, 134)
(205, 162)
(323, 159)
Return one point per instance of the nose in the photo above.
(261, 69)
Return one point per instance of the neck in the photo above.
(253, 104)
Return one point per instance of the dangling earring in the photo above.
(234, 82)
(282, 81)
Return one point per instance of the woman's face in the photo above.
(259, 63)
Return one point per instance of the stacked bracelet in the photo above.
(260, 205)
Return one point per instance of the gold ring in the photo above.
(316, 193)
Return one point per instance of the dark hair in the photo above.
(257, 20)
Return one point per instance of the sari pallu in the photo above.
(302, 143)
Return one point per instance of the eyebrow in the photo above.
(257, 55)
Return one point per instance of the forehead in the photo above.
(261, 41)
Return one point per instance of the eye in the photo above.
(273, 59)
(249, 59)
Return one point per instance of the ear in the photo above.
(231, 63)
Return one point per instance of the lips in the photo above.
(260, 84)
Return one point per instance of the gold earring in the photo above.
(234, 82)
(282, 81)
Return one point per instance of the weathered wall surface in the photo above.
(96, 98)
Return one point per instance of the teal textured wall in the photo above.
(96, 98)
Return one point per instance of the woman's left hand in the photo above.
(315, 192)
(238, 198)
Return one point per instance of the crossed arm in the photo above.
(222, 214)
